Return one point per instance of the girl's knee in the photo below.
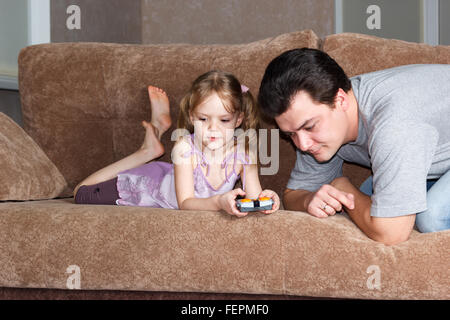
(79, 195)
(75, 191)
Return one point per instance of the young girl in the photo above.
(206, 163)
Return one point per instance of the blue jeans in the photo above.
(437, 216)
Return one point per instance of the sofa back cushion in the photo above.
(83, 103)
(358, 54)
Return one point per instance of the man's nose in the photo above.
(302, 141)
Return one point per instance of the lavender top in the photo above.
(153, 184)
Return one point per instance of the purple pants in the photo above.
(100, 193)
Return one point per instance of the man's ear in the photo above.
(341, 100)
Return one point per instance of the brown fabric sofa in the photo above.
(82, 105)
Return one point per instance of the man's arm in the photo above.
(386, 230)
(296, 200)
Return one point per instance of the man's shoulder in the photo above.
(398, 128)
(408, 68)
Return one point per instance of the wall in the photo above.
(444, 22)
(115, 21)
(13, 32)
(232, 21)
(400, 19)
(13, 37)
(10, 105)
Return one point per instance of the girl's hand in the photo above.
(227, 202)
(274, 196)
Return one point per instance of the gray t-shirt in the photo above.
(403, 135)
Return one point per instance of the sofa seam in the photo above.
(320, 43)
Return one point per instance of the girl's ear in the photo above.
(240, 119)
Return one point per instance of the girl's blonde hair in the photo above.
(230, 92)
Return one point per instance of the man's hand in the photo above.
(328, 200)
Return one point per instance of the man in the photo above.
(394, 121)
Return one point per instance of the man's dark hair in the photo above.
(309, 70)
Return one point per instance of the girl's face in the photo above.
(214, 124)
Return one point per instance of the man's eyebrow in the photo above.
(300, 127)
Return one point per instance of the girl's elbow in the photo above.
(184, 204)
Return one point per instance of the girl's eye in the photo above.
(225, 120)
(201, 119)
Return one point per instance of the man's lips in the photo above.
(316, 151)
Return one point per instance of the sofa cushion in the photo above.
(26, 172)
(83, 102)
(288, 252)
(359, 53)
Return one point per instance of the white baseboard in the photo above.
(9, 82)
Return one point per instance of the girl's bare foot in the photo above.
(152, 147)
(160, 110)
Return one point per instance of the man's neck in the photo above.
(353, 117)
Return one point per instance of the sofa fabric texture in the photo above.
(137, 248)
(83, 104)
(26, 171)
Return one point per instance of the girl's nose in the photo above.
(212, 125)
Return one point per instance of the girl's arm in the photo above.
(253, 188)
(252, 185)
(183, 172)
(184, 186)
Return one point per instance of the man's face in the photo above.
(313, 127)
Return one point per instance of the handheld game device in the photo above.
(260, 204)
